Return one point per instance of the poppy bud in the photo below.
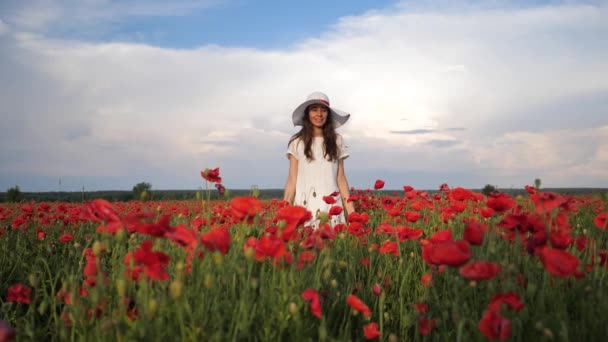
(293, 308)
(41, 308)
(121, 287)
(152, 307)
(249, 253)
(175, 289)
(218, 259)
(323, 216)
(96, 248)
(32, 279)
(120, 235)
(208, 282)
(322, 333)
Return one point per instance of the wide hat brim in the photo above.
(338, 117)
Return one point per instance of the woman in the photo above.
(316, 160)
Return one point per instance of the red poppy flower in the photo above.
(473, 232)
(7, 332)
(153, 262)
(411, 194)
(500, 202)
(99, 210)
(406, 233)
(312, 297)
(559, 263)
(561, 239)
(486, 212)
(358, 305)
(220, 189)
(427, 279)
(19, 293)
(421, 307)
(546, 201)
(371, 331)
(294, 216)
(305, 257)
(510, 298)
(425, 325)
(530, 189)
(243, 207)
(480, 270)
(581, 243)
(269, 246)
(460, 194)
(212, 176)
(217, 239)
(389, 247)
(379, 184)
(441, 236)
(183, 236)
(412, 216)
(600, 221)
(451, 253)
(66, 238)
(90, 269)
(356, 217)
(376, 289)
(157, 229)
(494, 326)
(329, 199)
(335, 210)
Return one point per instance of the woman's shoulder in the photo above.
(339, 138)
(294, 139)
(295, 143)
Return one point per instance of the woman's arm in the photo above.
(343, 187)
(290, 186)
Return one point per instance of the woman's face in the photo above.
(317, 114)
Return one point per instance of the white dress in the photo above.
(317, 178)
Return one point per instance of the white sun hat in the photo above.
(337, 116)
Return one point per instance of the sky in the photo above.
(103, 94)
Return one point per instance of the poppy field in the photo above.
(453, 265)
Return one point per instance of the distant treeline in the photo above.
(163, 195)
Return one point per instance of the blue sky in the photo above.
(105, 94)
(257, 24)
(190, 24)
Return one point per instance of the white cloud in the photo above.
(173, 112)
(558, 157)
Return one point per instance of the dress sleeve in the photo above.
(342, 148)
(292, 149)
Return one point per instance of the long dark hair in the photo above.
(330, 146)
